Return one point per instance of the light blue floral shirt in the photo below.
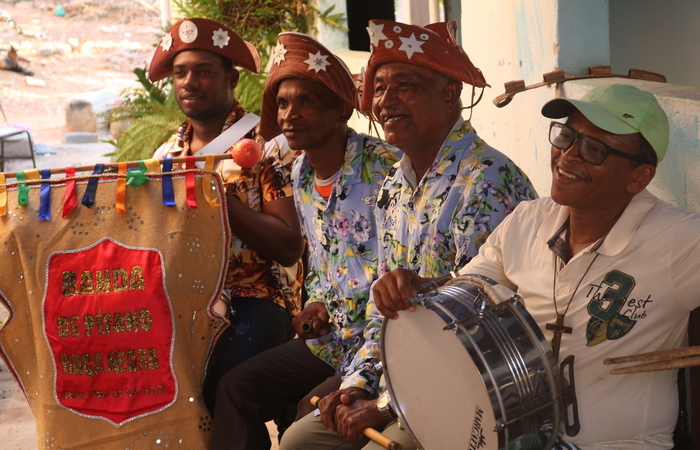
(342, 239)
(437, 224)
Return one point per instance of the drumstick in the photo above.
(663, 360)
(371, 433)
(655, 356)
(659, 365)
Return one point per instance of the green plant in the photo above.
(152, 111)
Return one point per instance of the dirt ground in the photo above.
(94, 46)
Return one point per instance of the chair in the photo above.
(10, 133)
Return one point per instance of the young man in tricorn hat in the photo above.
(263, 280)
(436, 207)
(309, 97)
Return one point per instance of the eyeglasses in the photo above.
(590, 149)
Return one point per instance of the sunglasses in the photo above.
(590, 149)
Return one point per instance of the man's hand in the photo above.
(329, 404)
(313, 321)
(394, 289)
(352, 416)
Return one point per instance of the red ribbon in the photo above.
(70, 197)
(190, 184)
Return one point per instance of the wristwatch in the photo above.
(384, 406)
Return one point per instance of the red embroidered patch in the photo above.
(109, 325)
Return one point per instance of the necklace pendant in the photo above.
(558, 328)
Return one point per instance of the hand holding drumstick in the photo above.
(369, 432)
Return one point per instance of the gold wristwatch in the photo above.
(384, 407)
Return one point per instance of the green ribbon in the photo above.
(137, 177)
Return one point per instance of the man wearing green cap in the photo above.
(604, 267)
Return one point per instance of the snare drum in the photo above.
(470, 369)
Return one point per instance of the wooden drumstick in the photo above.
(659, 365)
(655, 356)
(371, 433)
(661, 360)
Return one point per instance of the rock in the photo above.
(80, 116)
(117, 128)
(33, 81)
(80, 138)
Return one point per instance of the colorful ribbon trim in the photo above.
(3, 195)
(153, 165)
(121, 188)
(168, 192)
(190, 184)
(91, 190)
(70, 197)
(22, 189)
(45, 196)
(27, 175)
(208, 184)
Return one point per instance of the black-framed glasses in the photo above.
(590, 149)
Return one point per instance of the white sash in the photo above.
(226, 139)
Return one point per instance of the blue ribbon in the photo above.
(168, 192)
(45, 196)
(89, 196)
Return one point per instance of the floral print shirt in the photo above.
(436, 225)
(342, 239)
(249, 274)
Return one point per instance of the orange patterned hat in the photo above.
(201, 34)
(300, 56)
(433, 46)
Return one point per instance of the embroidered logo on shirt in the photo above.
(613, 312)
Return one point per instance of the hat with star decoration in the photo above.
(300, 56)
(201, 34)
(433, 46)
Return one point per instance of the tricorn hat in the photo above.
(300, 56)
(201, 34)
(433, 46)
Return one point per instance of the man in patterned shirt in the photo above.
(264, 274)
(435, 208)
(309, 97)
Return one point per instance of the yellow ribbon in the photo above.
(32, 174)
(209, 186)
(152, 165)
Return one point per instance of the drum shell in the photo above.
(510, 371)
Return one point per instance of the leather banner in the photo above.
(110, 304)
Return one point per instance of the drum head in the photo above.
(441, 396)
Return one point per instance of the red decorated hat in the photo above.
(300, 56)
(201, 34)
(433, 46)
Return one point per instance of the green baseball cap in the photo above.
(618, 109)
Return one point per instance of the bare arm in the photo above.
(273, 232)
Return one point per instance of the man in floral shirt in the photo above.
(309, 97)
(435, 208)
(263, 281)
